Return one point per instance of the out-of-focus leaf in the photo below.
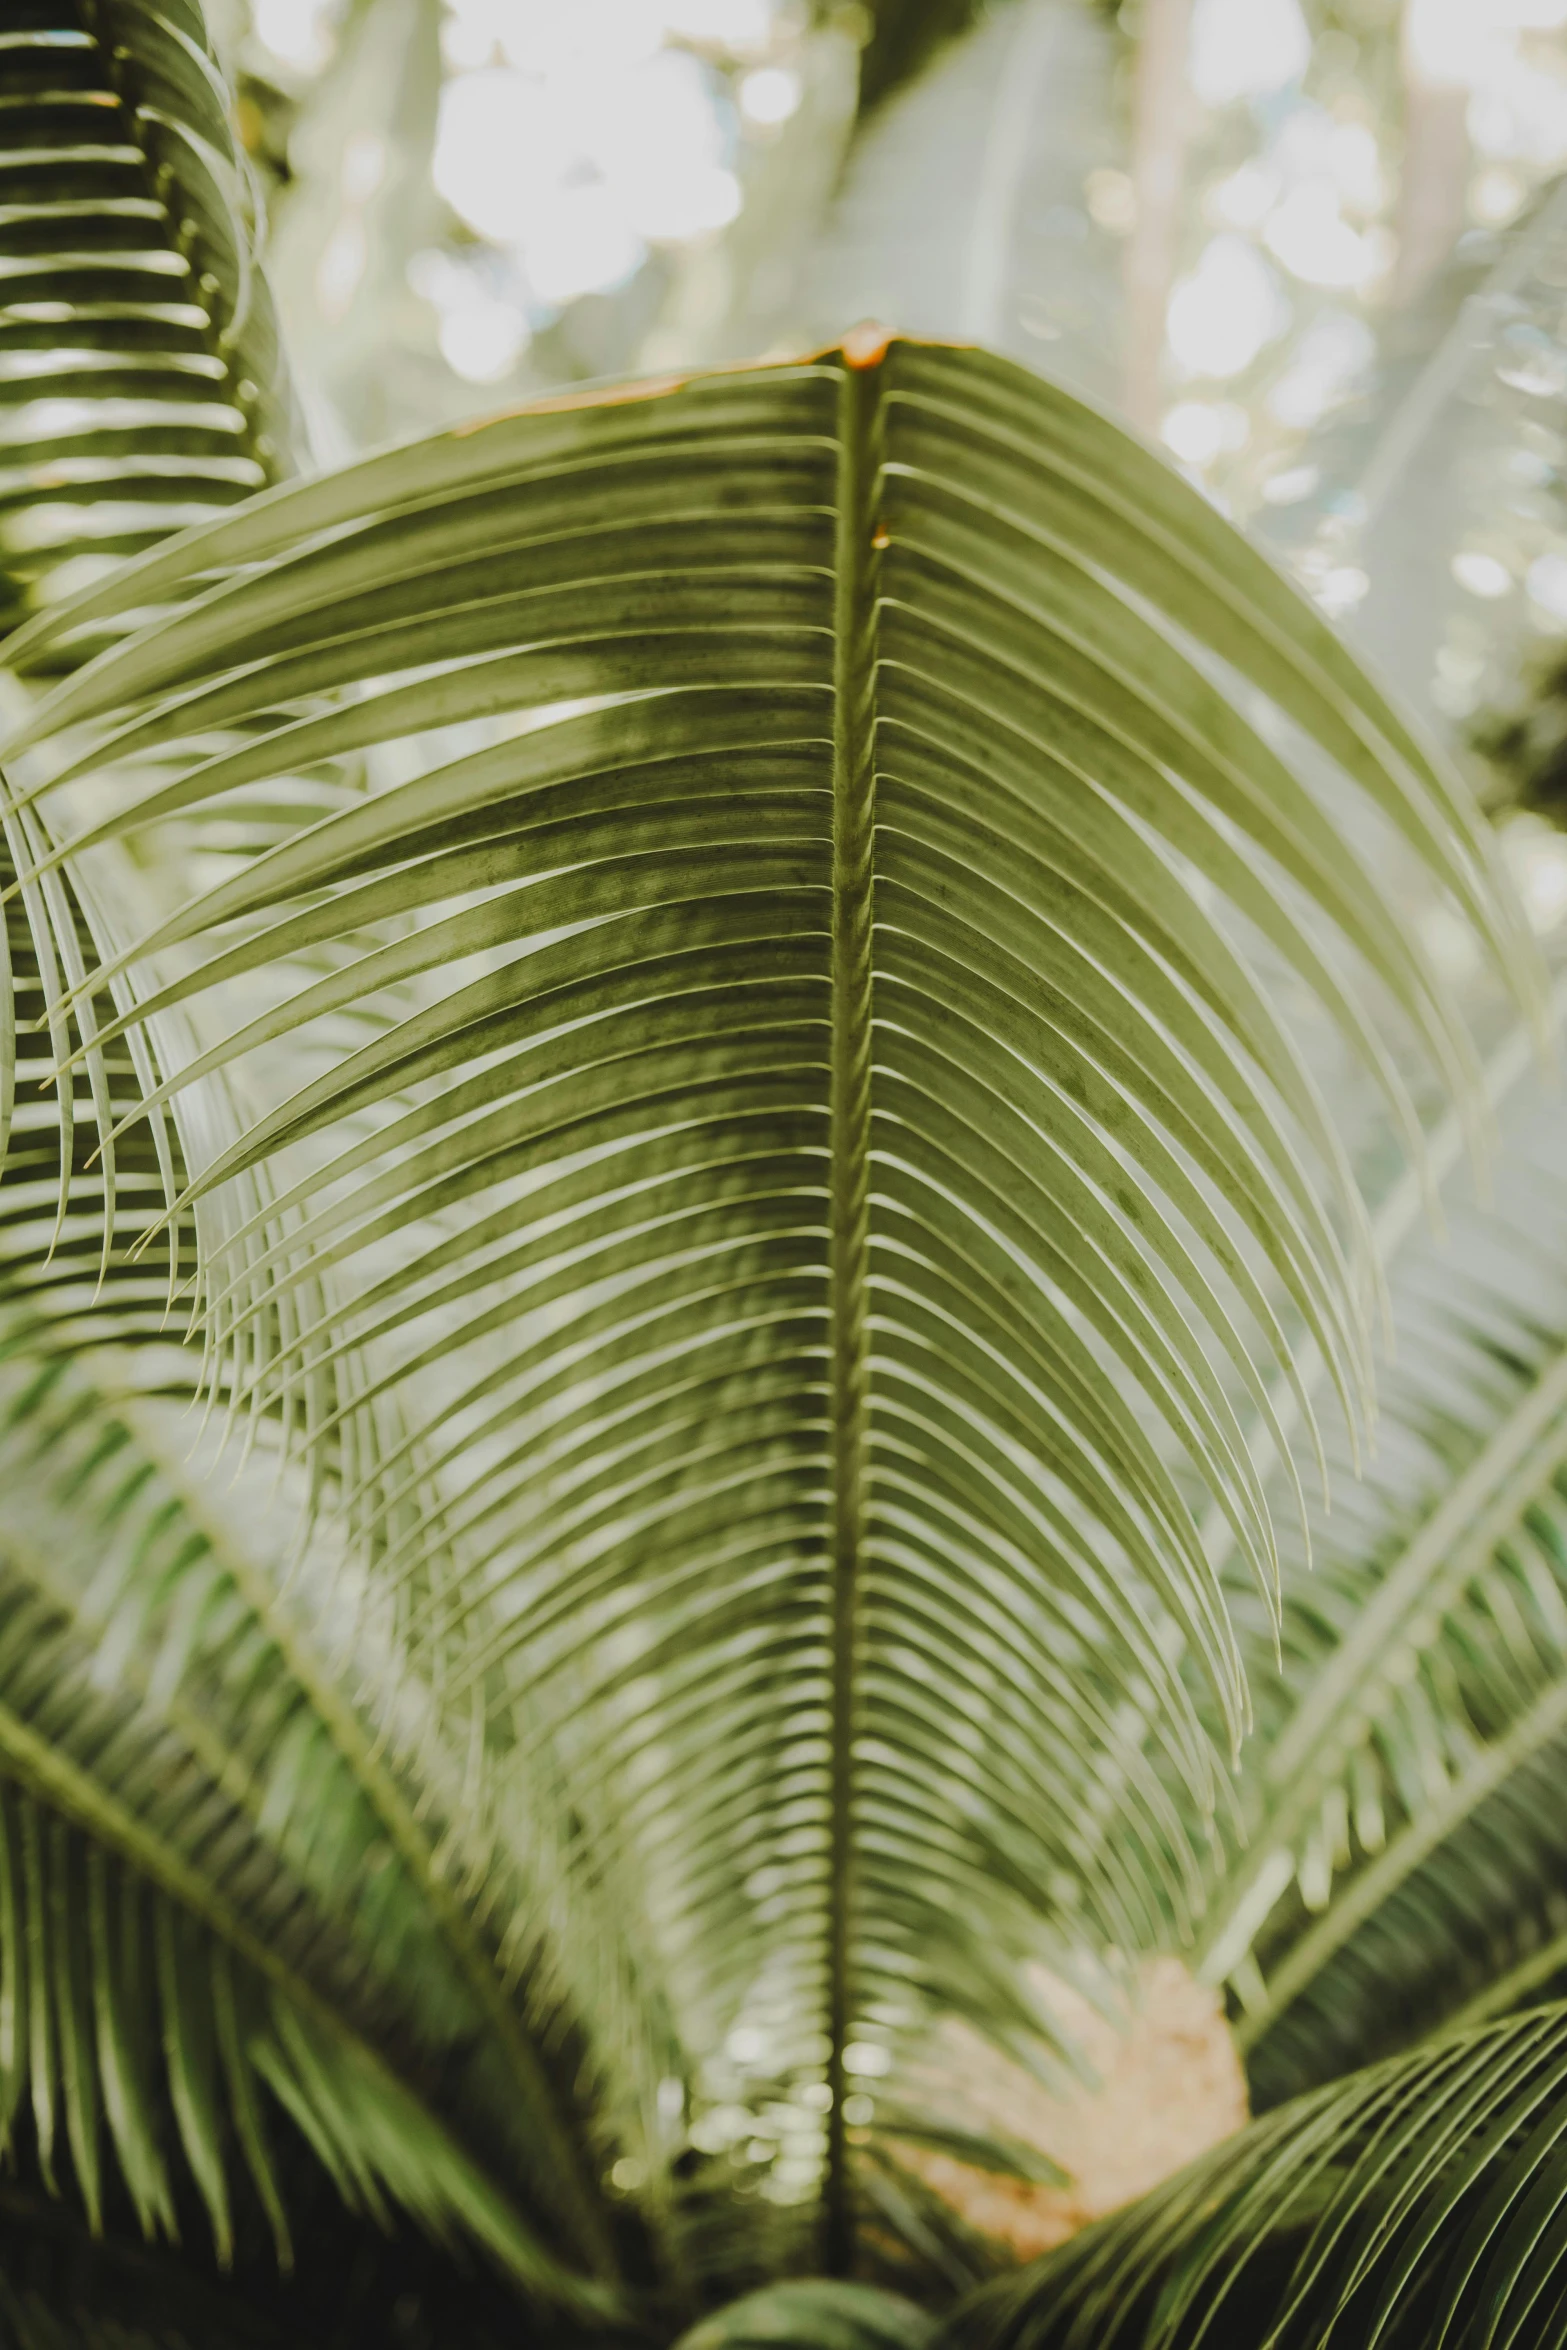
(814, 2313)
(1435, 459)
(1395, 1850)
(962, 210)
(213, 1881)
(360, 204)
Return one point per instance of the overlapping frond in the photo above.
(140, 389)
(137, 2035)
(1399, 1854)
(1416, 2206)
(63, 2287)
(61, 1205)
(144, 395)
(140, 393)
(222, 1815)
(813, 2312)
(841, 1181)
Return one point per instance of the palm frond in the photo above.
(140, 389)
(62, 2287)
(129, 2022)
(1395, 1853)
(140, 393)
(163, 1702)
(815, 2315)
(845, 1145)
(1418, 2203)
(1463, 1923)
(61, 1203)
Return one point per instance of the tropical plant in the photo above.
(689, 1079)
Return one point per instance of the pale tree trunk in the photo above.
(1434, 182)
(1163, 116)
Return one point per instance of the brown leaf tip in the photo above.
(865, 345)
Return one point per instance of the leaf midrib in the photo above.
(860, 403)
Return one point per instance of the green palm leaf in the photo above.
(1397, 1853)
(63, 2288)
(199, 1794)
(140, 392)
(115, 143)
(814, 2313)
(134, 2025)
(834, 1209)
(1419, 2203)
(139, 382)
